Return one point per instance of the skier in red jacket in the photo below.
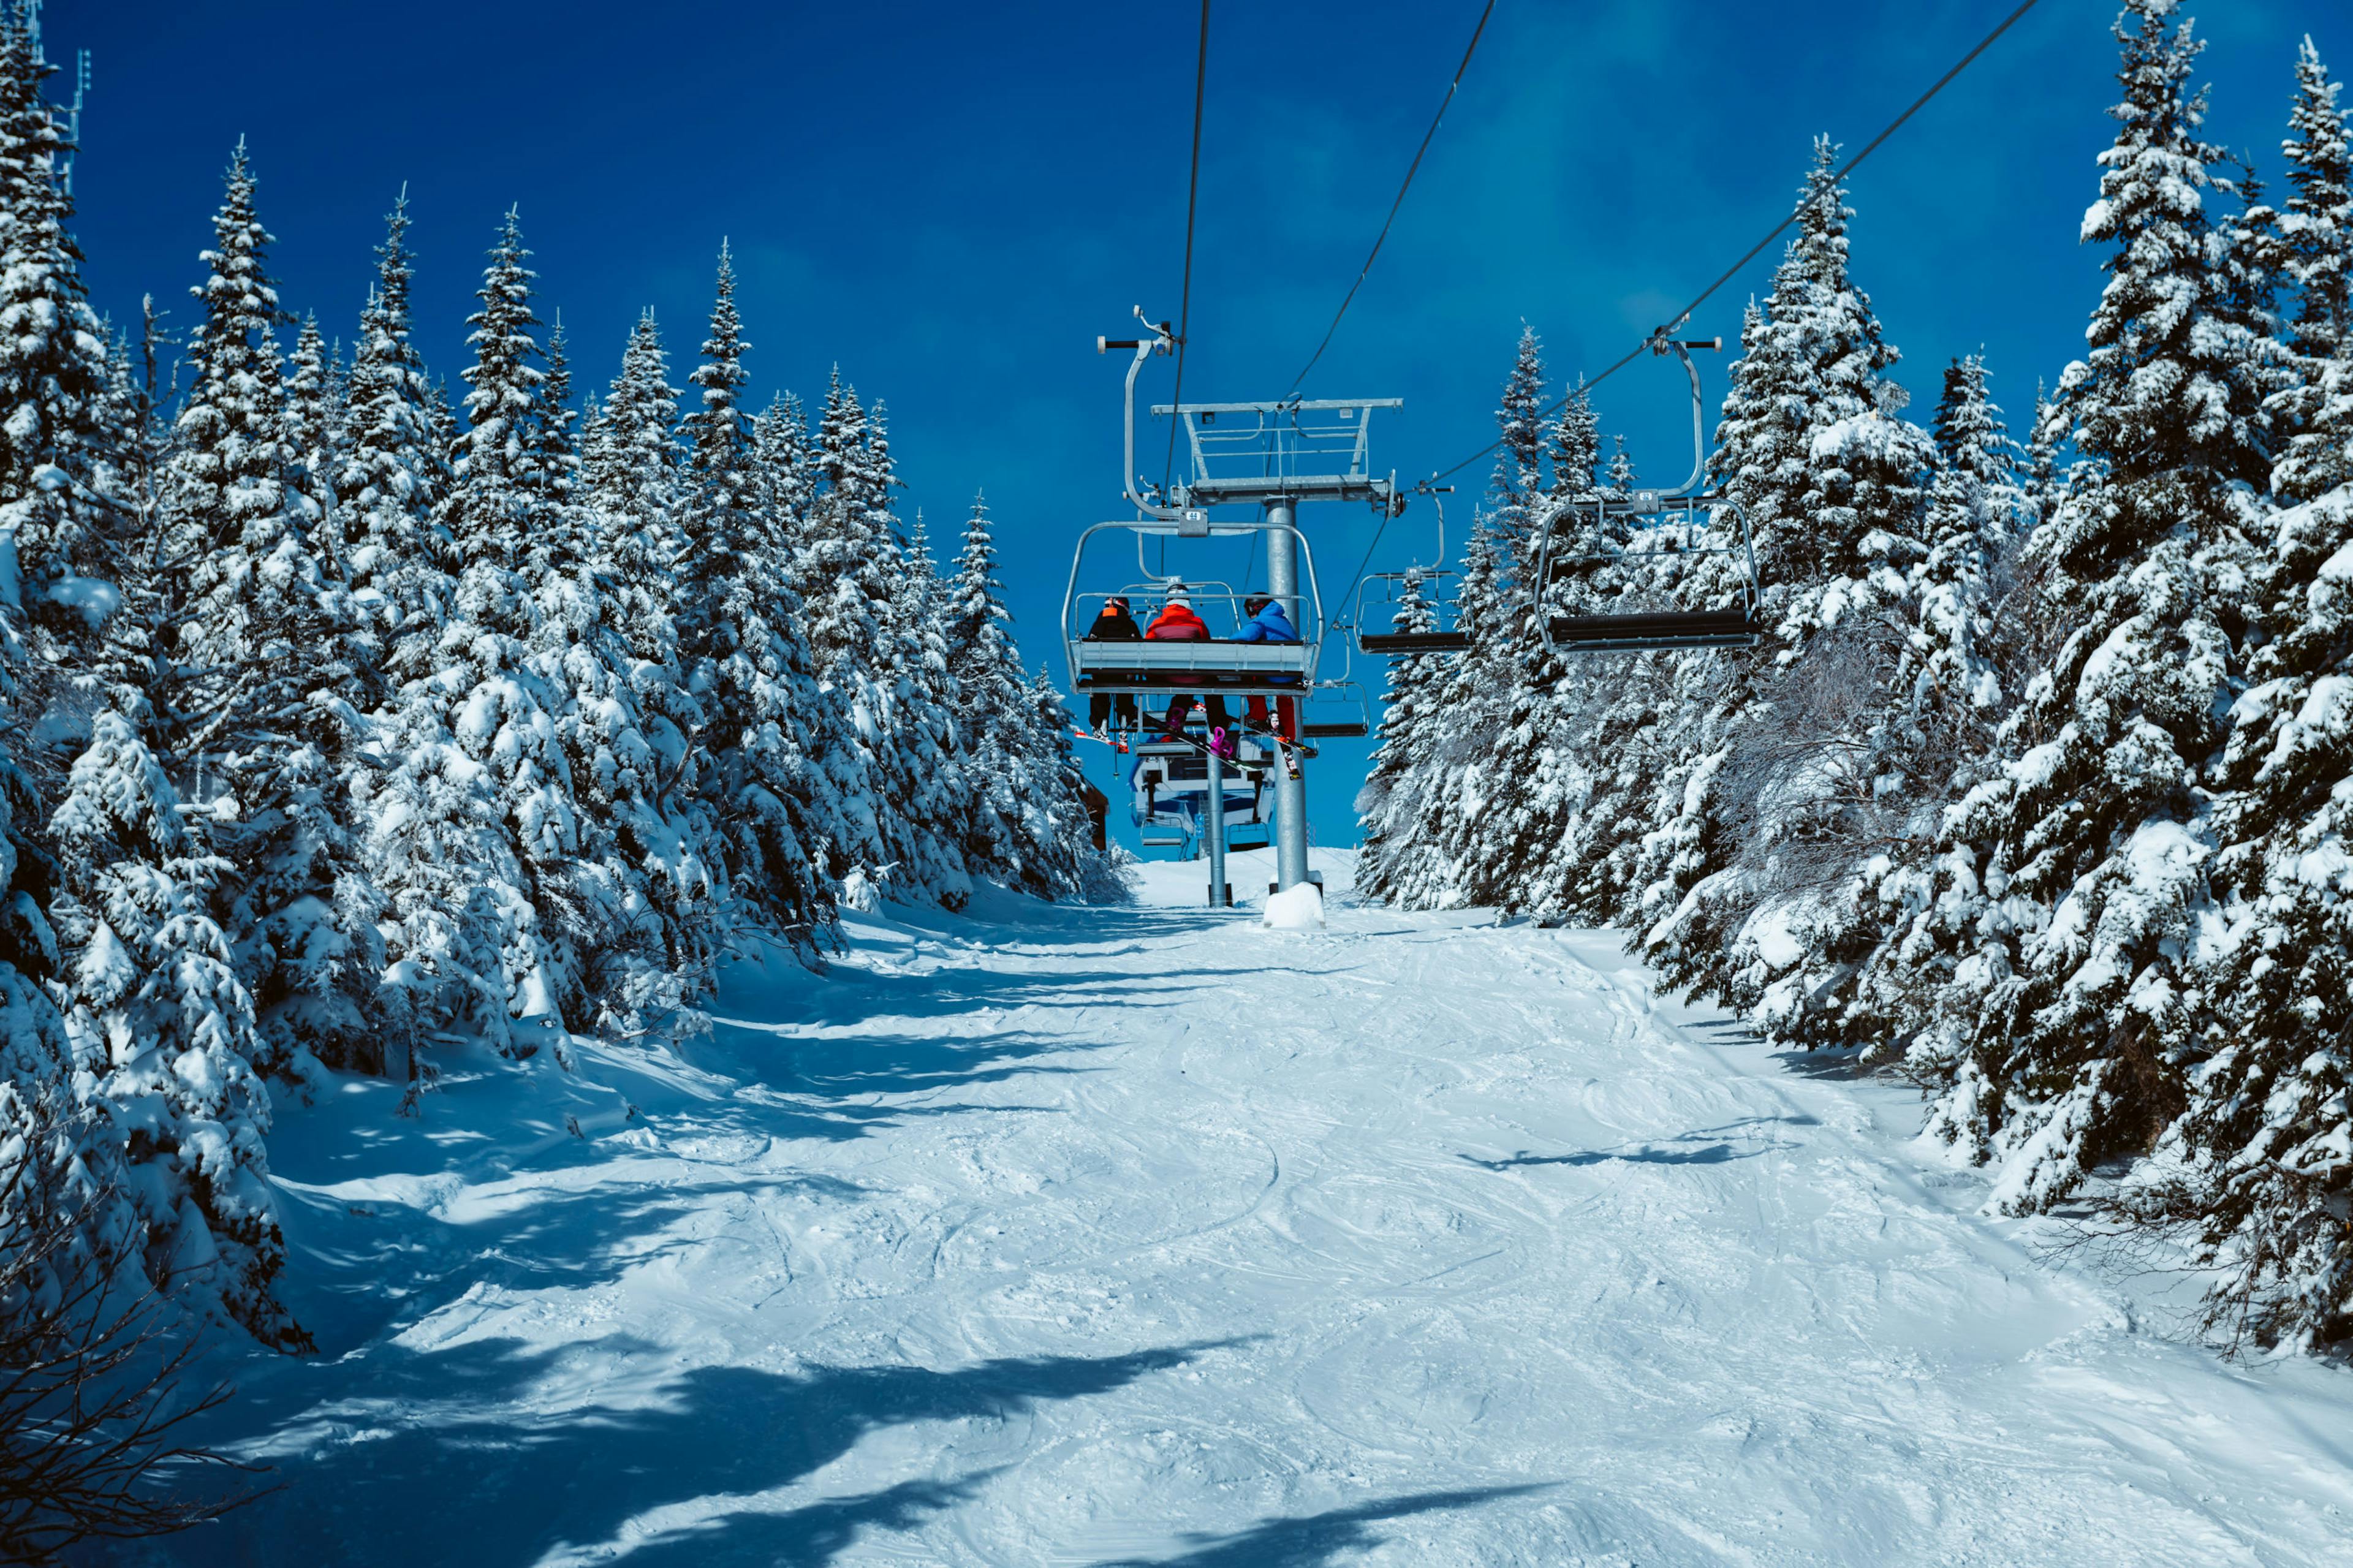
(1177, 623)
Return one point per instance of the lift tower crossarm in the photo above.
(1294, 449)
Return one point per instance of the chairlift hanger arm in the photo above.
(1162, 340)
(1681, 348)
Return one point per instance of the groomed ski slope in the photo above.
(1146, 1236)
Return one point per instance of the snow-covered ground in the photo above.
(1063, 1235)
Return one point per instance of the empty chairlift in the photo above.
(1676, 528)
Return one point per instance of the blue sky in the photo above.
(950, 202)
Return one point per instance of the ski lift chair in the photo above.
(1695, 536)
(1336, 710)
(1386, 591)
(1220, 667)
(1171, 790)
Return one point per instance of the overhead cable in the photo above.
(1192, 198)
(1775, 233)
(1411, 170)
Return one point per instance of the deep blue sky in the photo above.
(951, 201)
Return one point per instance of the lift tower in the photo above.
(1277, 456)
(1270, 456)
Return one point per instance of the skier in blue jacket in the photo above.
(1267, 622)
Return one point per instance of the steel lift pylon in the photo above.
(1275, 456)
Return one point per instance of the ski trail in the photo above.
(1145, 1236)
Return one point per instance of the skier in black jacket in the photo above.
(1115, 624)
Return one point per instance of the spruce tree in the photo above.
(2066, 1035)
(2260, 1173)
(1387, 806)
(1812, 446)
(310, 427)
(56, 509)
(740, 642)
(1602, 765)
(1024, 828)
(631, 465)
(1975, 510)
(866, 655)
(1535, 762)
(158, 1019)
(2317, 223)
(469, 684)
(394, 476)
(2269, 1117)
(272, 674)
(780, 443)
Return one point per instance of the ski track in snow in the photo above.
(1145, 1236)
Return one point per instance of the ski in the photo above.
(1301, 747)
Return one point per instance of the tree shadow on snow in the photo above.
(815, 1534)
(821, 1077)
(435, 1463)
(1315, 1538)
(1688, 1149)
(363, 1267)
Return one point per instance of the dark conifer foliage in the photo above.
(2035, 790)
(361, 725)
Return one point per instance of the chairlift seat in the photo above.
(1171, 666)
(1658, 630)
(1339, 729)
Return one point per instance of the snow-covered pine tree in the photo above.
(1059, 821)
(470, 685)
(1755, 797)
(748, 669)
(2317, 223)
(1025, 827)
(2314, 250)
(1975, 512)
(1390, 806)
(932, 789)
(1945, 694)
(561, 546)
(391, 483)
(2261, 1171)
(2263, 1144)
(1535, 751)
(788, 477)
(1604, 760)
(2039, 475)
(157, 1018)
(639, 882)
(57, 520)
(2065, 1036)
(310, 443)
(863, 653)
(631, 464)
(1436, 853)
(270, 678)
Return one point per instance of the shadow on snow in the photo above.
(1669, 1151)
(1315, 1538)
(438, 1434)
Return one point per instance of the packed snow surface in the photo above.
(1085, 1236)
